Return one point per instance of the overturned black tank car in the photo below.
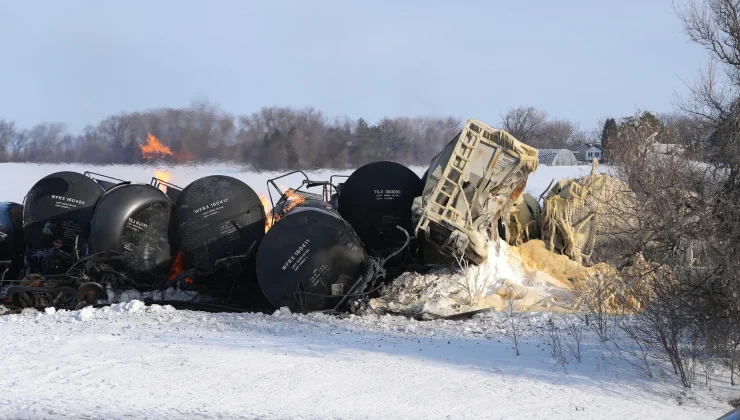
(11, 240)
(218, 224)
(129, 235)
(310, 257)
(57, 212)
(376, 200)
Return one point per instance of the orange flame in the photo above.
(179, 264)
(292, 200)
(265, 202)
(163, 176)
(154, 147)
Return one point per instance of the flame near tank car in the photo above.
(310, 258)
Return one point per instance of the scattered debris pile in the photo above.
(535, 278)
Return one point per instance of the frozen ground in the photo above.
(131, 361)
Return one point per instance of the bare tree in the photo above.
(18, 142)
(687, 130)
(524, 122)
(575, 332)
(514, 312)
(7, 132)
(714, 24)
(471, 281)
(45, 139)
(560, 134)
(594, 296)
(676, 269)
(557, 350)
(533, 127)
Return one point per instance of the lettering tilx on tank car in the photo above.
(135, 225)
(387, 194)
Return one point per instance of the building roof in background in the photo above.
(548, 156)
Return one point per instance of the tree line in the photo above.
(275, 138)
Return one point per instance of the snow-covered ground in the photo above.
(132, 361)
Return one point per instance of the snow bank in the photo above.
(135, 361)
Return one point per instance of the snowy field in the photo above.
(133, 361)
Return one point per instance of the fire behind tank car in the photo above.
(310, 258)
(217, 226)
(376, 200)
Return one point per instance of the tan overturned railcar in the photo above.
(579, 214)
(469, 187)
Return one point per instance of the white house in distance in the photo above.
(589, 151)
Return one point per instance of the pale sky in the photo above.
(76, 61)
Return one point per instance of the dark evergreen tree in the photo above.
(607, 134)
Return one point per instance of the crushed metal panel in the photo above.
(524, 220)
(469, 186)
(579, 214)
